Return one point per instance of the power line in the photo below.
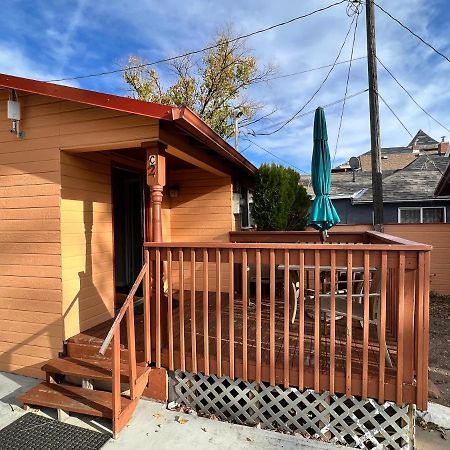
(316, 91)
(346, 88)
(395, 115)
(277, 157)
(211, 47)
(301, 72)
(411, 97)
(312, 111)
(403, 125)
(303, 115)
(412, 32)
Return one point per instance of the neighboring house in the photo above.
(410, 177)
(395, 158)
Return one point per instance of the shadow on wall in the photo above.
(74, 311)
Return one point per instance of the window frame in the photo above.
(420, 208)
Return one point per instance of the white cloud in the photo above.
(96, 36)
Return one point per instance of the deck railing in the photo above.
(348, 317)
(120, 414)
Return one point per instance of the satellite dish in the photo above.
(354, 163)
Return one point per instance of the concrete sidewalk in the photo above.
(154, 427)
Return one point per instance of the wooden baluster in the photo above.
(348, 357)
(244, 315)
(147, 313)
(258, 315)
(332, 319)
(193, 315)
(426, 330)
(158, 306)
(419, 327)
(116, 394)
(170, 308)
(382, 327)
(317, 291)
(205, 312)
(218, 314)
(272, 317)
(131, 350)
(366, 284)
(400, 327)
(286, 319)
(301, 321)
(231, 310)
(181, 308)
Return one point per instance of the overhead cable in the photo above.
(411, 97)
(210, 47)
(346, 89)
(286, 122)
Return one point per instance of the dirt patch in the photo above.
(439, 360)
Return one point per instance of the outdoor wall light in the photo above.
(174, 190)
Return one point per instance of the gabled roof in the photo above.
(422, 140)
(343, 186)
(181, 116)
(415, 182)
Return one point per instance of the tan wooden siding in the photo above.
(202, 212)
(30, 225)
(30, 250)
(87, 241)
(203, 209)
(435, 234)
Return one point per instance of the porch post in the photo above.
(156, 199)
(156, 179)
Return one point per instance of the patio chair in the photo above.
(357, 305)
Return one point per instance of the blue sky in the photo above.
(54, 39)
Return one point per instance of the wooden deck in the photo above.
(90, 340)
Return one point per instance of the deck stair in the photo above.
(101, 377)
(84, 397)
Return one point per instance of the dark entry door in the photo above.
(128, 204)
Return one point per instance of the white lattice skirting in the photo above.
(335, 418)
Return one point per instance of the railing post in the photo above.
(147, 310)
(408, 354)
(116, 394)
(131, 350)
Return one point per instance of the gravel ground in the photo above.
(439, 361)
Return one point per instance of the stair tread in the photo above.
(89, 368)
(72, 399)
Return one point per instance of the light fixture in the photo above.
(13, 108)
(174, 190)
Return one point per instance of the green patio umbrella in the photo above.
(323, 214)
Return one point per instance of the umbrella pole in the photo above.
(323, 236)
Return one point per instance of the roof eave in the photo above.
(190, 121)
(109, 101)
(187, 119)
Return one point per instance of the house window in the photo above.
(246, 200)
(422, 215)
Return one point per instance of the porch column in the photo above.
(156, 180)
(156, 198)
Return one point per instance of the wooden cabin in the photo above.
(72, 207)
(122, 256)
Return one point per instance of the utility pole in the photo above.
(236, 130)
(377, 181)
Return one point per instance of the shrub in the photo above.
(280, 203)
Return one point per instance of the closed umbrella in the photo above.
(323, 214)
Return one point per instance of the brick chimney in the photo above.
(443, 147)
